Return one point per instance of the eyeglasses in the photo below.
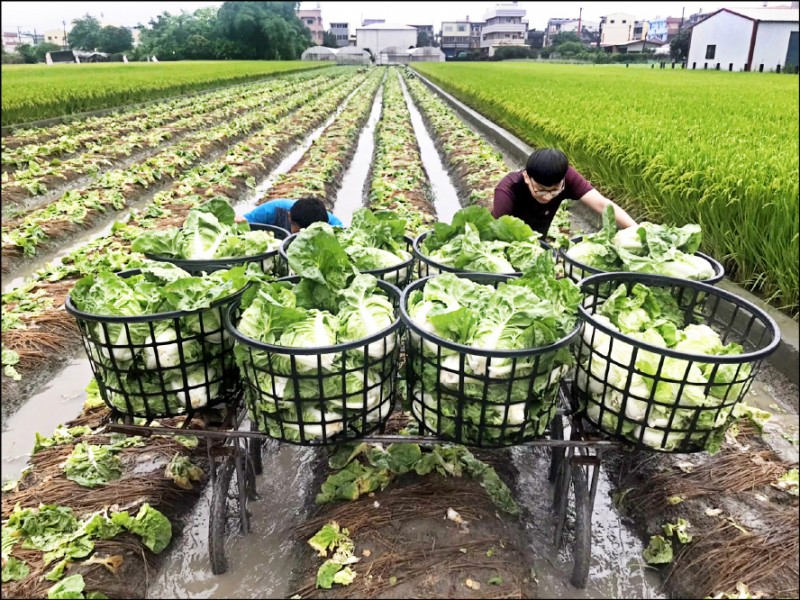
(546, 192)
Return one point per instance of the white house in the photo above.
(746, 39)
(380, 36)
(616, 29)
(504, 25)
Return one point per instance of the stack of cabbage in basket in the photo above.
(477, 242)
(332, 304)
(150, 367)
(374, 241)
(689, 395)
(525, 313)
(646, 248)
(209, 232)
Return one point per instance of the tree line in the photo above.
(234, 31)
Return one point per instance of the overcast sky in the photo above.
(49, 15)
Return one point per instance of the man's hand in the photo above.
(239, 219)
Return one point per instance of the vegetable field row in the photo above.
(34, 322)
(94, 138)
(131, 117)
(671, 147)
(318, 173)
(38, 177)
(398, 180)
(476, 166)
(34, 92)
(79, 209)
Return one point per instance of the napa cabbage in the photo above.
(476, 242)
(142, 364)
(209, 232)
(644, 248)
(672, 403)
(304, 396)
(492, 398)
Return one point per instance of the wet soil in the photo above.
(414, 551)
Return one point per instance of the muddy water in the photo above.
(260, 563)
(616, 570)
(445, 198)
(101, 229)
(351, 194)
(59, 401)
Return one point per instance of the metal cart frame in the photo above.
(574, 464)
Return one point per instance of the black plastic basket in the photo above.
(346, 391)
(578, 271)
(669, 408)
(268, 261)
(399, 275)
(428, 266)
(512, 405)
(164, 374)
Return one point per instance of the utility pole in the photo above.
(580, 14)
(683, 11)
(64, 46)
(19, 36)
(600, 32)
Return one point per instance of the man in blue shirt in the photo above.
(290, 214)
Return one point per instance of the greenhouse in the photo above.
(319, 53)
(394, 56)
(427, 54)
(350, 55)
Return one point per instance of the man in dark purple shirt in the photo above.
(535, 193)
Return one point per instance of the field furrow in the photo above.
(474, 165)
(320, 170)
(397, 179)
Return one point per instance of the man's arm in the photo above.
(503, 200)
(597, 202)
(334, 221)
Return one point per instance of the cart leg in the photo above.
(255, 447)
(582, 551)
(561, 496)
(218, 516)
(244, 478)
(557, 454)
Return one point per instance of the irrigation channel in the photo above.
(265, 562)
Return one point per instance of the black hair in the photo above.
(547, 166)
(309, 210)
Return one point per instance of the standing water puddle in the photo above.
(617, 568)
(59, 401)
(260, 564)
(351, 192)
(445, 198)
